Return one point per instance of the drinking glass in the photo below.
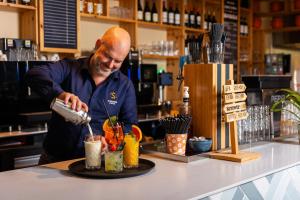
(92, 146)
(113, 161)
(131, 152)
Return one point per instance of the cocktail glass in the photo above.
(131, 151)
(114, 161)
(92, 146)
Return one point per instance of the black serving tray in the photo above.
(78, 168)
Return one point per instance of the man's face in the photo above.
(107, 60)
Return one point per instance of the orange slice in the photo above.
(137, 132)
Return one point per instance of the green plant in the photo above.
(290, 96)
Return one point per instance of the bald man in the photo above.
(85, 83)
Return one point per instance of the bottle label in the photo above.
(140, 15)
(90, 8)
(209, 26)
(99, 9)
(165, 17)
(246, 29)
(171, 18)
(147, 16)
(155, 17)
(177, 19)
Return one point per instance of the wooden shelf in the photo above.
(271, 14)
(213, 2)
(19, 7)
(106, 18)
(158, 25)
(194, 30)
(151, 56)
(244, 37)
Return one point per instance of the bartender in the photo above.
(85, 83)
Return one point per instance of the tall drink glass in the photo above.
(131, 151)
(92, 146)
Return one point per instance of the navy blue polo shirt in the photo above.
(64, 139)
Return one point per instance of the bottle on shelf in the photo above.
(90, 6)
(26, 2)
(242, 27)
(11, 1)
(213, 18)
(171, 15)
(147, 12)
(81, 6)
(209, 24)
(98, 7)
(140, 11)
(206, 21)
(165, 13)
(186, 17)
(177, 16)
(198, 19)
(246, 28)
(192, 18)
(154, 14)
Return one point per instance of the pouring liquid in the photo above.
(90, 131)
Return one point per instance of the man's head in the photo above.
(111, 50)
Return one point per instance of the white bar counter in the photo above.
(168, 180)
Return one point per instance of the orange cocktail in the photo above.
(131, 149)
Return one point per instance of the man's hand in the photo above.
(76, 103)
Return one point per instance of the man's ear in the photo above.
(98, 44)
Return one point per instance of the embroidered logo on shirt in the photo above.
(113, 98)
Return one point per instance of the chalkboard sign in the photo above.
(60, 24)
(231, 27)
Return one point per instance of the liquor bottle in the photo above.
(177, 16)
(165, 13)
(11, 1)
(140, 11)
(185, 108)
(198, 19)
(209, 23)
(192, 18)
(206, 22)
(98, 7)
(245, 26)
(90, 6)
(170, 15)
(147, 12)
(26, 2)
(242, 26)
(186, 17)
(154, 13)
(81, 6)
(213, 19)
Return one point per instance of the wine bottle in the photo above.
(198, 19)
(140, 11)
(170, 15)
(154, 13)
(205, 22)
(98, 7)
(26, 2)
(147, 12)
(90, 7)
(209, 21)
(186, 17)
(81, 6)
(177, 16)
(192, 18)
(165, 13)
(245, 26)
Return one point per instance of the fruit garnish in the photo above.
(107, 124)
(113, 148)
(137, 132)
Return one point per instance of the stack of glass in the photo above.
(256, 127)
(288, 120)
